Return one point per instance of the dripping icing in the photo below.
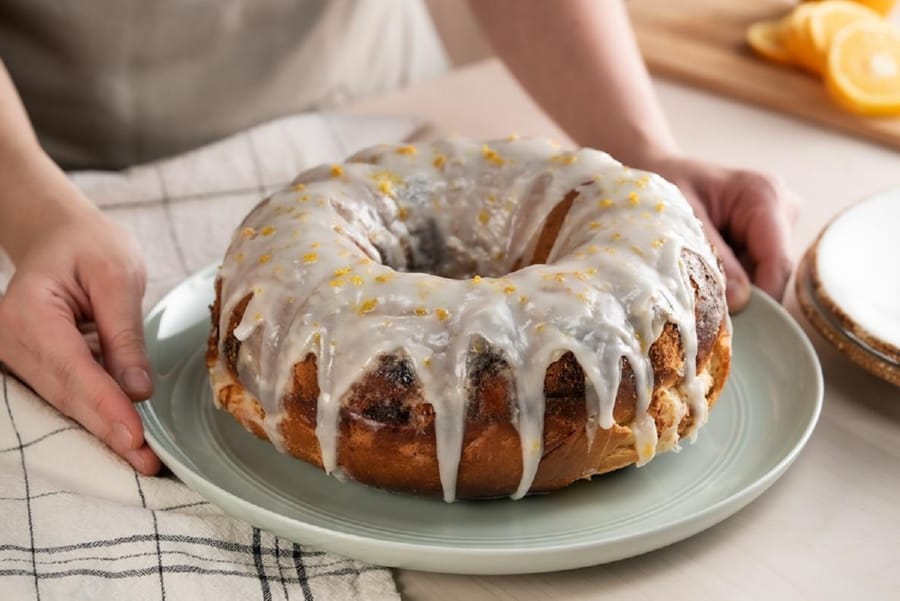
(325, 281)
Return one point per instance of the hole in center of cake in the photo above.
(473, 247)
(432, 251)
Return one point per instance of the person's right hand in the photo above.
(80, 269)
(747, 216)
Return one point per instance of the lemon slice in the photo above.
(882, 7)
(863, 72)
(797, 36)
(765, 38)
(828, 18)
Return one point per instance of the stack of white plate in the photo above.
(848, 284)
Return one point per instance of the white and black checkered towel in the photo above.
(76, 522)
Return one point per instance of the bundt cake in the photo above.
(471, 319)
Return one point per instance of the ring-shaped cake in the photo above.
(471, 319)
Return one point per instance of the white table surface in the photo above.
(830, 528)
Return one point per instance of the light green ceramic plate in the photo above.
(763, 418)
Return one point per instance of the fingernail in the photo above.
(737, 293)
(136, 459)
(136, 381)
(122, 436)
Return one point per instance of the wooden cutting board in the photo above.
(701, 42)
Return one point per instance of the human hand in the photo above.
(747, 217)
(80, 270)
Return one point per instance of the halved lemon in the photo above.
(828, 18)
(863, 71)
(765, 38)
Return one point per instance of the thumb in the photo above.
(116, 304)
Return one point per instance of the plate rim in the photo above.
(425, 553)
(844, 341)
(836, 311)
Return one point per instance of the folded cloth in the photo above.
(78, 522)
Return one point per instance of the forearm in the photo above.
(580, 62)
(33, 190)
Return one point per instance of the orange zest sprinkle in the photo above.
(386, 187)
(368, 305)
(492, 156)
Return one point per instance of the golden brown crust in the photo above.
(552, 225)
(387, 435)
(393, 446)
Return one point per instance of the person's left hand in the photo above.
(747, 217)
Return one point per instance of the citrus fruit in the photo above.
(828, 18)
(863, 69)
(765, 38)
(797, 36)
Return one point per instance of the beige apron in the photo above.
(109, 83)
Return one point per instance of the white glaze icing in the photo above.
(856, 261)
(410, 250)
